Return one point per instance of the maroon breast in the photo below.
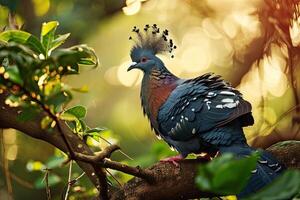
(160, 87)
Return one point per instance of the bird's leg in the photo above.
(173, 159)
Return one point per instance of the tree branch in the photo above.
(178, 182)
(8, 119)
(102, 160)
(86, 159)
(98, 157)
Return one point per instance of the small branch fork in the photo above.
(98, 161)
(102, 159)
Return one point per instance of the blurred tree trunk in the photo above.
(26, 10)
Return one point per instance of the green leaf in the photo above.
(22, 37)
(77, 111)
(53, 179)
(48, 27)
(58, 97)
(14, 74)
(83, 126)
(68, 117)
(286, 186)
(59, 40)
(86, 61)
(220, 175)
(47, 35)
(72, 125)
(88, 55)
(74, 117)
(94, 133)
(95, 130)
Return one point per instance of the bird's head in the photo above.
(144, 60)
(149, 42)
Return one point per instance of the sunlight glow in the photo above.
(10, 136)
(195, 51)
(132, 7)
(41, 7)
(211, 29)
(230, 27)
(12, 152)
(250, 86)
(128, 79)
(295, 32)
(274, 79)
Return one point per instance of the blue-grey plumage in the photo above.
(197, 108)
(204, 114)
(266, 171)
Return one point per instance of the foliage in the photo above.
(75, 120)
(225, 175)
(31, 72)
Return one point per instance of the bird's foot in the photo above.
(174, 159)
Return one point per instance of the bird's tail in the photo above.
(267, 168)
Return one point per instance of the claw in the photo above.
(174, 159)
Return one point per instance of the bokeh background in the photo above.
(252, 44)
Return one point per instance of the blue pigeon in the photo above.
(204, 114)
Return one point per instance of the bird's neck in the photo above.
(156, 88)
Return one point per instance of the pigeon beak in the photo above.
(133, 65)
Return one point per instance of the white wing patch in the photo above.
(227, 93)
(228, 105)
(227, 100)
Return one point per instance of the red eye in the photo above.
(144, 59)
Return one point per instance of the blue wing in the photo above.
(200, 105)
(267, 168)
